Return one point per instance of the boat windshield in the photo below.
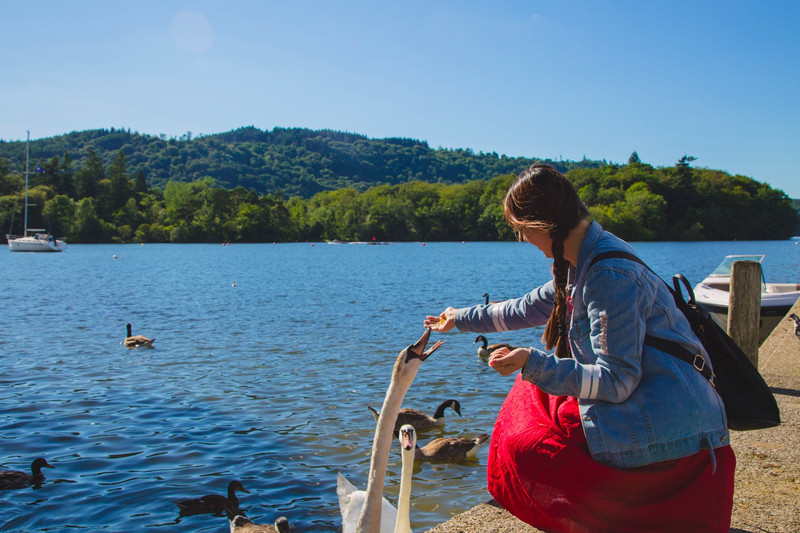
(724, 268)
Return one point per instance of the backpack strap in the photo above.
(616, 254)
(666, 346)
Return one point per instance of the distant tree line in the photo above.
(88, 201)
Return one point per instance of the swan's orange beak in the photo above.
(407, 437)
(417, 350)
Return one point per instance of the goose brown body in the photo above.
(137, 341)
(421, 420)
(451, 449)
(485, 349)
(242, 524)
(14, 479)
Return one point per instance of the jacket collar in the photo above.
(588, 245)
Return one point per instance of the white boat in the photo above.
(38, 241)
(713, 294)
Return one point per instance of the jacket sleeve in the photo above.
(617, 310)
(529, 311)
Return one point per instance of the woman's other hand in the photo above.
(506, 361)
(444, 322)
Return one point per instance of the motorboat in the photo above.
(38, 240)
(713, 294)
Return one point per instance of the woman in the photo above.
(606, 433)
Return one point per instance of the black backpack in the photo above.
(749, 403)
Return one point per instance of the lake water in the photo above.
(266, 381)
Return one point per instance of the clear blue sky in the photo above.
(717, 80)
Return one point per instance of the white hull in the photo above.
(36, 243)
(713, 295)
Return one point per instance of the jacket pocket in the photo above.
(579, 329)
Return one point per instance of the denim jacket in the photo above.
(638, 405)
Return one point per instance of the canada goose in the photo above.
(212, 503)
(241, 524)
(392, 520)
(485, 351)
(451, 449)
(370, 516)
(486, 297)
(796, 319)
(137, 341)
(14, 479)
(420, 420)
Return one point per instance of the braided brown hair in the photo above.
(542, 199)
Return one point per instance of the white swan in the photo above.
(371, 502)
(351, 500)
(408, 444)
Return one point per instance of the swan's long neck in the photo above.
(403, 523)
(370, 519)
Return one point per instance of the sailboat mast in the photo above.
(27, 156)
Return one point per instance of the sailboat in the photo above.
(39, 241)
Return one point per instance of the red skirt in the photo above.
(540, 470)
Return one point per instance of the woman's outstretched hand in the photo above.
(506, 361)
(444, 322)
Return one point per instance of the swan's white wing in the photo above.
(351, 501)
(343, 488)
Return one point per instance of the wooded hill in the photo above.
(296, 184)
(295, 161)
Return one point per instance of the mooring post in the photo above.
(744, 307)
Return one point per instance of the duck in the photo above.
(137, 341)
(240, 523)
(451, 449)
(14, 479)
(486, 349)
(796, 319)
(212, 503)
(364, 511)
(397, 520)
(420, 420)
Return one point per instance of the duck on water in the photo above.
(14, 479)
(212, 503)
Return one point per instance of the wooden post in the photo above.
(744, 307)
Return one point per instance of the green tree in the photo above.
(66, 183)
(89, 175)
(59, 212)
(120, 187)
(141, 183)
(87, 228)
